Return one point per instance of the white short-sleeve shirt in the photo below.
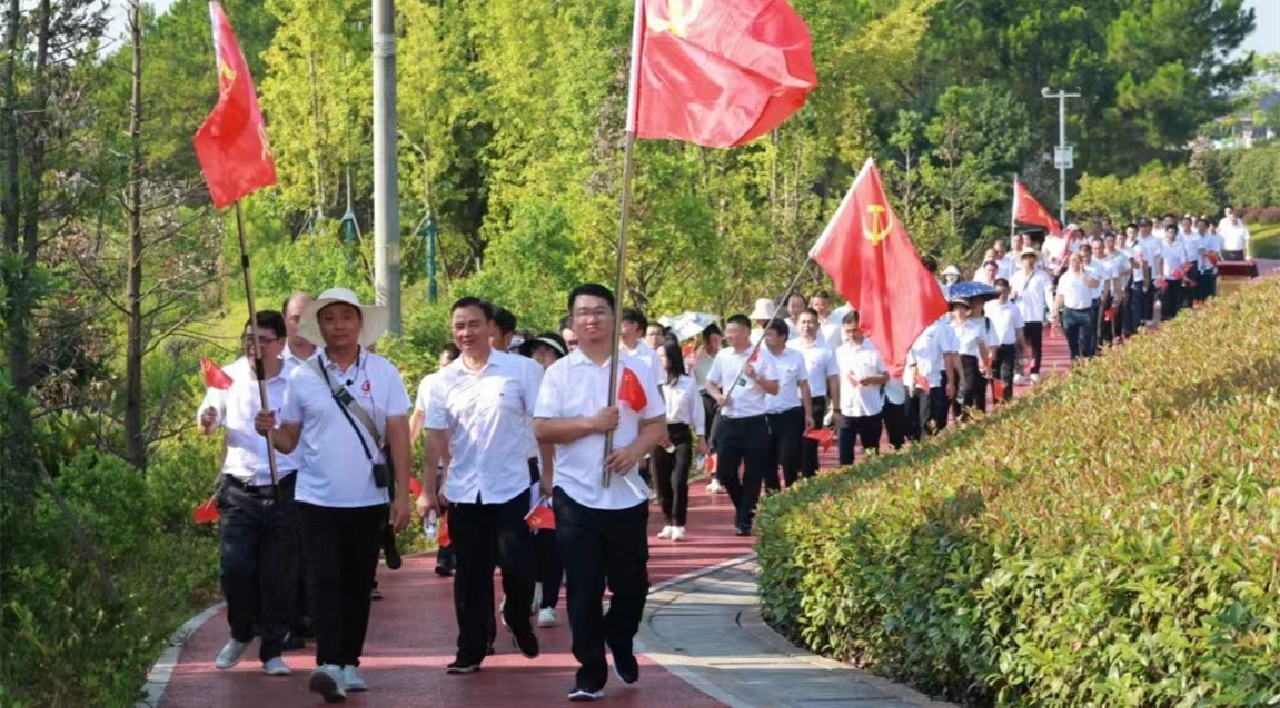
(968, 335)
(577, 387)
(684, 404)
(334, 470)
(1032, 294)
(246, 458)
(791, 371)
(646, 354)
(488, 415)
(928, 352)
(1005, 319)
(1076, 293)
(819, 363)
(858, 361)
(747, 399)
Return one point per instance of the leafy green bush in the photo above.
(68, 640)
(1110, 539)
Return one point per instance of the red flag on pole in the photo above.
(867, 252)
(631, 392)
(232, 143)
(214, 376)
(1026, 210)
(207, 512)
(720, 73)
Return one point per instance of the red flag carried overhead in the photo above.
(866, 251)
(232, 144)
(718, 73)
(1026, 210)
(214, 376)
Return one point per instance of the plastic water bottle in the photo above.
(429, 526)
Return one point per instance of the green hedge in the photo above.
(1110, 539)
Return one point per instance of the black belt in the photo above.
(261, 490)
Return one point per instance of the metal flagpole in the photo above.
(637, 34)
(257, 347)
(715, 422)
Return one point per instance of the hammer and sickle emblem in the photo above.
(881, 223)
(678, 17)
(266, 152)
(225, 72)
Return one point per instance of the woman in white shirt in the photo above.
(974, 357)
(671, 464)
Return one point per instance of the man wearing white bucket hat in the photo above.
(764, 312)
(346, 413)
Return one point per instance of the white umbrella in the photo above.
(687, 324)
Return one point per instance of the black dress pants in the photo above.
(602, 548)
(671, 475)
(786, 434)
(259, 562)
(1034, 332)
(810, 454)
(342, 554)
(1006, 362)
(743, 442)
(866, 429)
(485, 537)
(972, 391)
(895, 423)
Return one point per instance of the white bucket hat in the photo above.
(765, 310)
(374, 318)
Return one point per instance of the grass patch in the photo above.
(1266, 242)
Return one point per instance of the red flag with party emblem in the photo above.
(232, 143)
(214, 376)
(541, 518)
(1027, 210)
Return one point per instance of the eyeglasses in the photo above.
(247, 341)
(598, 313)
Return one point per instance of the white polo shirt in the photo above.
(333, 469)
(488, 416)
(968, 335)
(1235, 237)
(1210, 243)
(928, 352)
(646, 354)
(246, 458)
(1075, 292)
(793, 330)
(576, 387)
(1099, 272)
(423, 399)
(1032, 294)
(747, 399)
(1172, 257)
(791, 371)
(1005, 319)
(858, 361)
(1004, 266)
(684, 404)
(819, 363)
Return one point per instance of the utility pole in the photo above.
(1063, 154)
(386, 201)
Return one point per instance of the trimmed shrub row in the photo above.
(1111, 539)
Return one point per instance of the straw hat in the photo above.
(951, 270)
(765, 310)
(1029, 252)
(374, 318)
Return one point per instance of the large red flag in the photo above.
(866, 251)
(232, 144)
(718, 73)
(1026, 210)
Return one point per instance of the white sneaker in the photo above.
(327, 681)
(1017, 379)
(275, 667)
(231, 654)
(666, 532)
(714, 486)
(352, 679)
(547, 617)
(1035, 378)
(677, 534)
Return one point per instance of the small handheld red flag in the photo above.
(442, 531)
(631, 392)
(823, 436)
(214, 376)
(231, 145)
(415, 487)
(719, 73)
(867, 252)
(541, 518)
(998, 386)
(1026, 210)
(711, 463)
(207, 512)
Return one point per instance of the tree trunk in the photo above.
(17, 308)
(135, 443)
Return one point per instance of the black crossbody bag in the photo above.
(382, 471)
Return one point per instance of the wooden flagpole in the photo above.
(258, 366)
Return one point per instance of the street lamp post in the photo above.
(1063, 154)
(386, 203)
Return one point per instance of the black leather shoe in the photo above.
(293, 642)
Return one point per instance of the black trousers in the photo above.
(971, 391)
(1075, 324)
(895, 423)
(926, 413)
(1034, 332)
(1191, 293)
(1005, 364)
(602, 548)
(1102, 328)
(709, 408)
(867, 428)
(786, 434)
(259, 562)
(1135, 308)
(485, 537)
(548, 568)
(743, 442)
(810, 454)
(342, 545)
(1170, 299)
(671, 474)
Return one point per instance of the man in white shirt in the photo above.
(932, 370)
(1006, 325)
(481, 412)
(1032, 291)
(829, 328)
(448, 354)
(297, 349)
(601, 529)
(344, 473)
(1211, 250)
(1072, 306)
(740, 380)
(1004, 261)
(502, 333)
(824, 375)
(862, 377)
(796, 304)
(1191, 240)
(1150, 244)
(631, 329)
(987, 273)
(1121, 271)
(1101, 273)
(259, 558)
(1171, 260)
(1235, 237)
(789, 412)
